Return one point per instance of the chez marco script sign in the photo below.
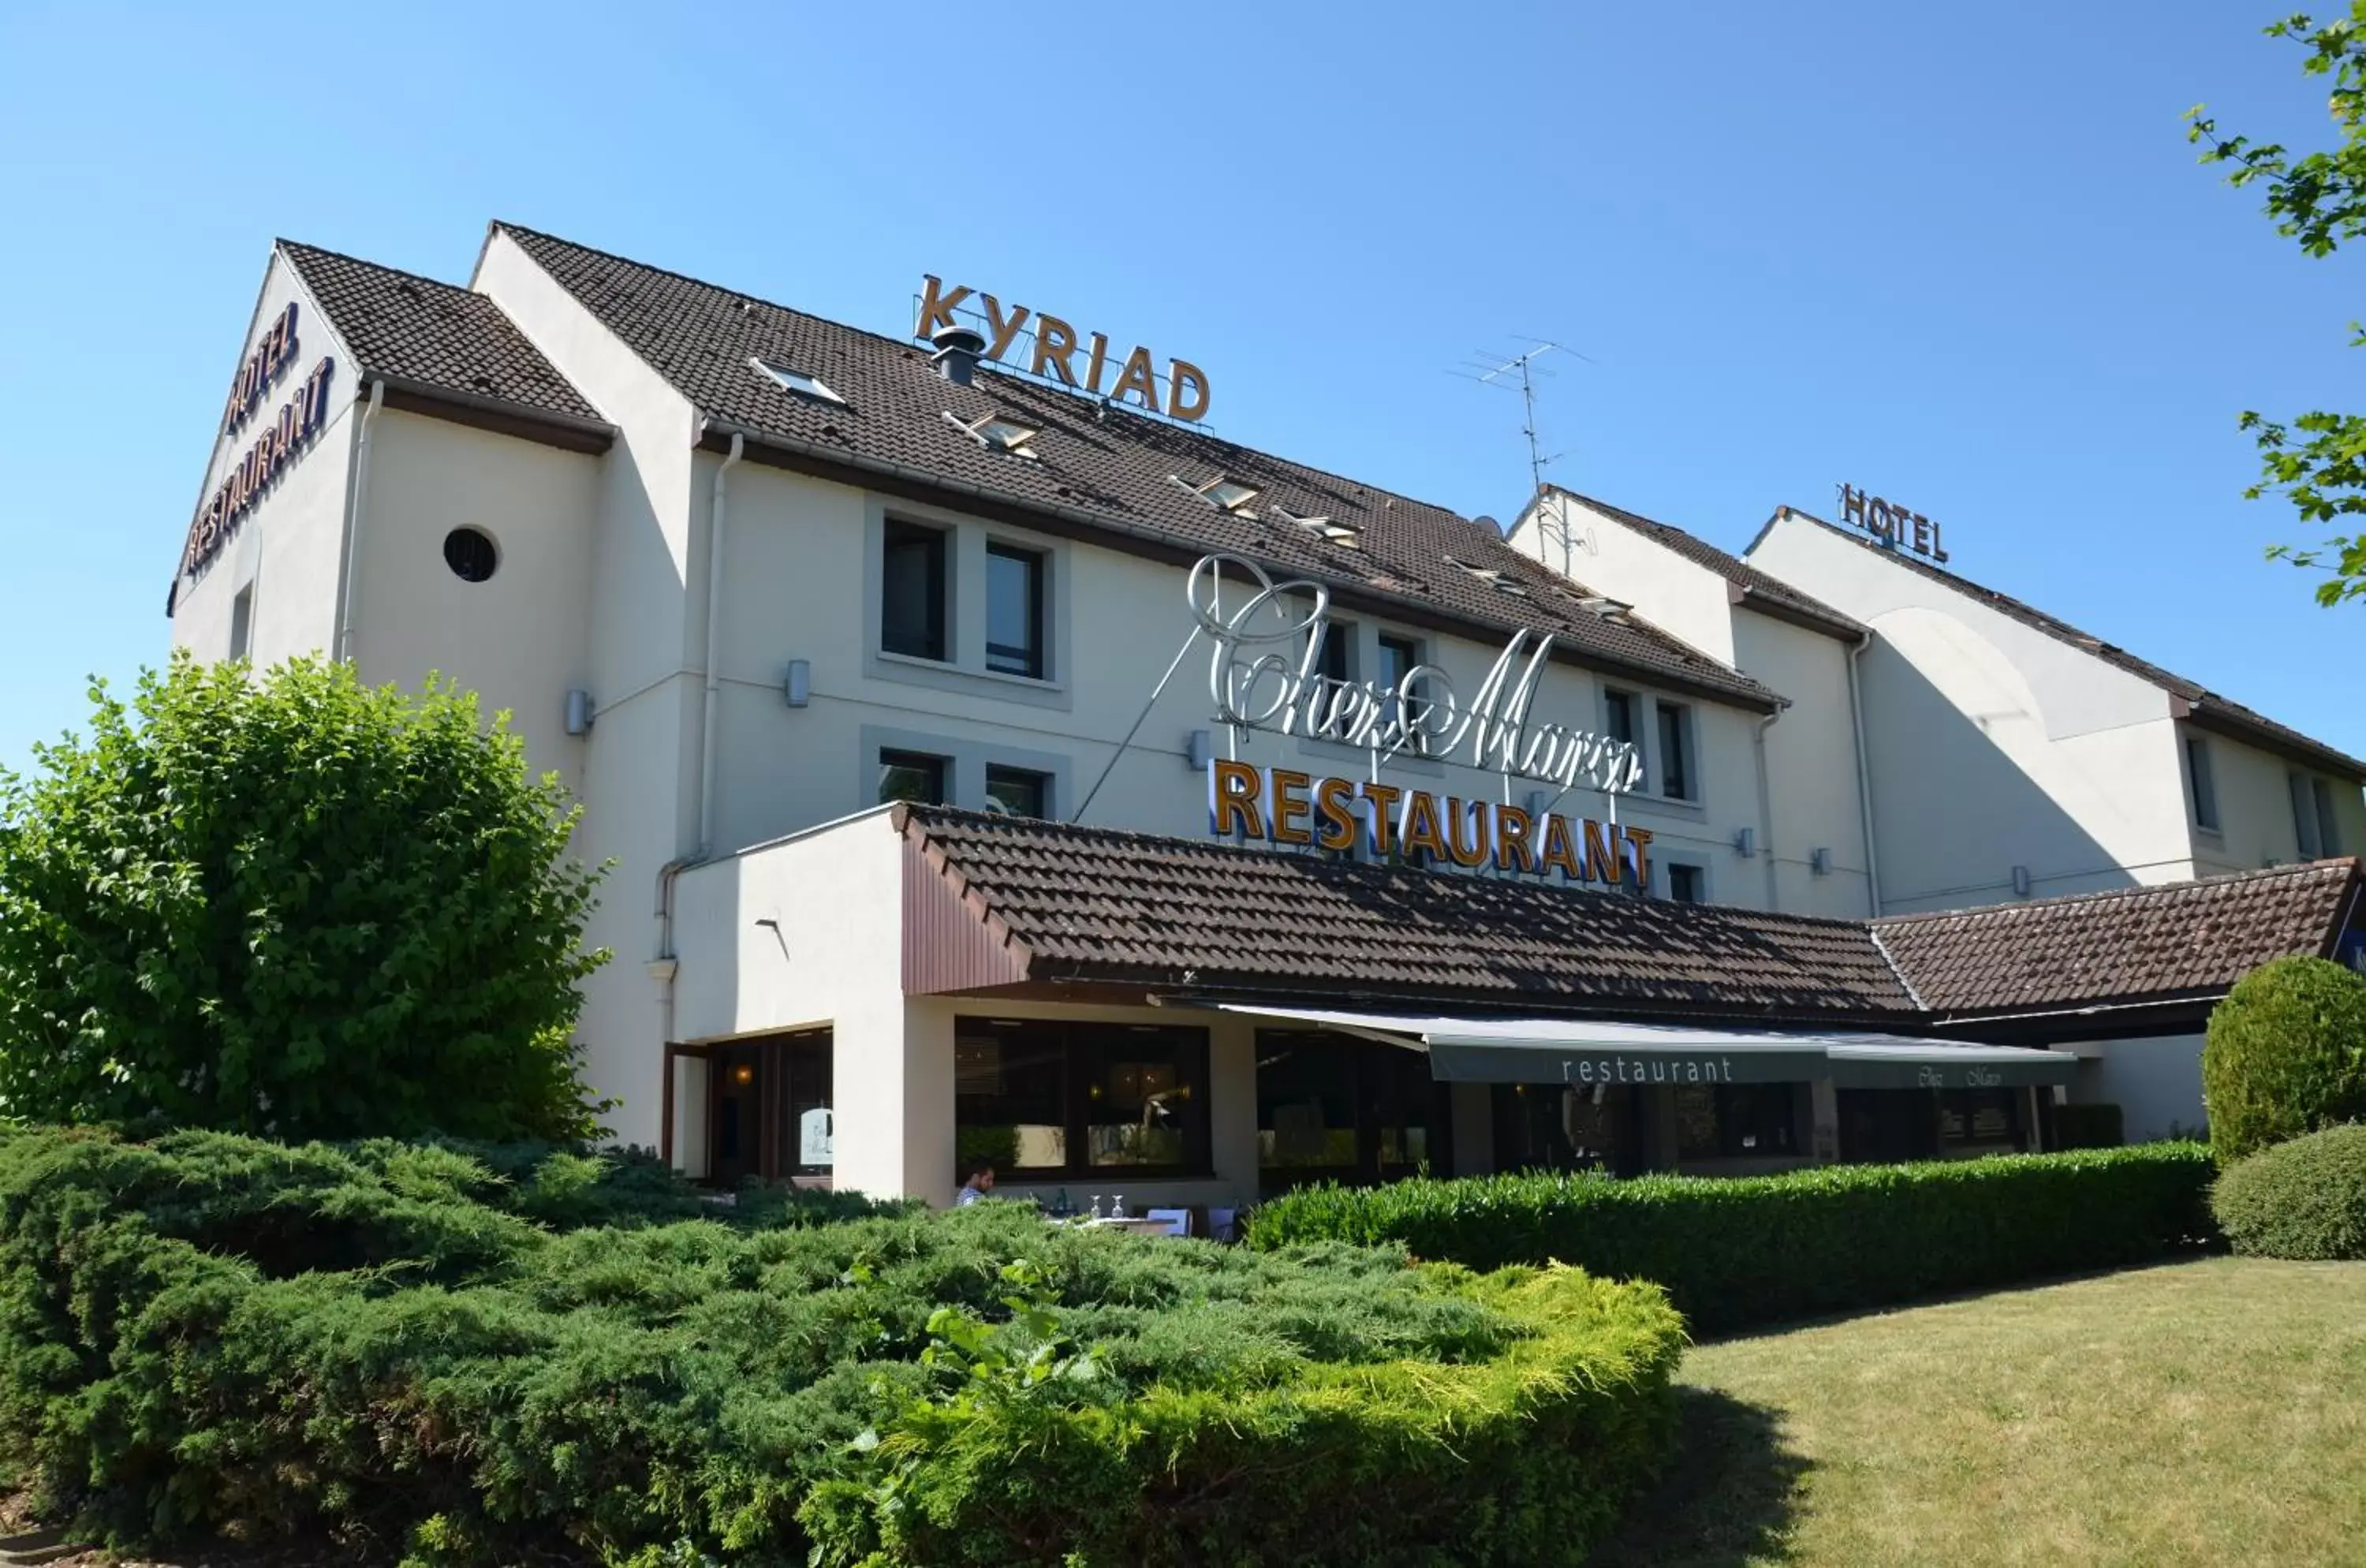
(1265, 672)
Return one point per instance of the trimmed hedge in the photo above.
(2286, 1054)
(1744, 1250)
(2304, 1198)
(401, 1348)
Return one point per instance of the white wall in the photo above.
(2255, 810)
(1992, 745)
(1679, 596)
(520, 640)
(2155, 1081)
(288, 546)
(644, 627)
(1811, 766)
(795, 545)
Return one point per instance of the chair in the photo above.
(1224, 1225)
(1178, 1221)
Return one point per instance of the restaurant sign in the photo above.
(1264, 673)
(1892, 525)
(1057, 347)
(1284, 807)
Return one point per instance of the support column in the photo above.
(1824, 1125)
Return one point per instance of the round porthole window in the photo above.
(469, 553)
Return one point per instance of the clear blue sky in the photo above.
(1961, 256)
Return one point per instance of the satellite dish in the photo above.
(1489, 524)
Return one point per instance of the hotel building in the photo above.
(992, 762)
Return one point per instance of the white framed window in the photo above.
(965, 606)
(1687, 884)
(795, 381)
(1679, 778)
(2201, 783)
(2329, 827)
(241, 623)
(2306, 827)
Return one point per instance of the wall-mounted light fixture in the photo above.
(797, 687)
(1745, 841)
(579, 713)
(1200, 748)
(2020, 882)
(1821, 862)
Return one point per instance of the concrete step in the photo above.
(40, 1547)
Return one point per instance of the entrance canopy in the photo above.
(1590, 1050)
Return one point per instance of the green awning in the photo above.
(1585, 1052)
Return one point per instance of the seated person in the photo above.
(980, 1183)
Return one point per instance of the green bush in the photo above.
(2303, 1197)
(1744, 1250)
(292, 905)
(398, 1344)
(2093, 1126)
(2286, 1056)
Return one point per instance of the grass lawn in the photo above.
(2212, 1412)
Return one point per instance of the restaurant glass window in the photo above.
(1014, 611)
(1333, 1108)
(770, 1113)
(1550, 1127)
(1979, 1119)
(912, 591)
(1017, 792)
(1736, 1121)
(913, 776)
(1046, 1099)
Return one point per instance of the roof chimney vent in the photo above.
(957, 350)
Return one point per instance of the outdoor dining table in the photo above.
(1139, 1224)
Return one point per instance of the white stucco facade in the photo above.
(620, 563)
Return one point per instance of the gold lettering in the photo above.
(1600, 863)
(1099, 363)
(1561, 848)
(1921, 535)
(1290, 806)
(1179, 373)
(1382, 801)
(1334, 803)
(1853, 505)
(1474, 812)
(937, 306)
(999, 331)
(1139, 379)
(1233, 791)
(1938, 548)
(1055, 343)
(1512, 825)
(1641, 839)
(1420, 829)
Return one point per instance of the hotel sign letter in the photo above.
(1892, 525)
(1181, 393)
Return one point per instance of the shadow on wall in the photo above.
(1954, 812)
(1726, 1498)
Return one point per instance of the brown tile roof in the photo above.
(1110, 467)
(414, 329)
(2180, 938)
(1759, 590)
(2208, 708)
(1097, 904)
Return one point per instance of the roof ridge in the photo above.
(1087, 399)
(2226, 878)
(285, 243)
(1873, 929)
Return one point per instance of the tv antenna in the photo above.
(1520, 372)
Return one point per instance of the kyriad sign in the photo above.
(1280, 690)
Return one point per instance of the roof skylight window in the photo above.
(1493, 577)
(795, 381)
(1222, 492)
(1321, 527)
(995, 433)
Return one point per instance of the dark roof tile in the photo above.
(1758, 588)
(1110, 464)
(2178, 939)
(432, 335)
